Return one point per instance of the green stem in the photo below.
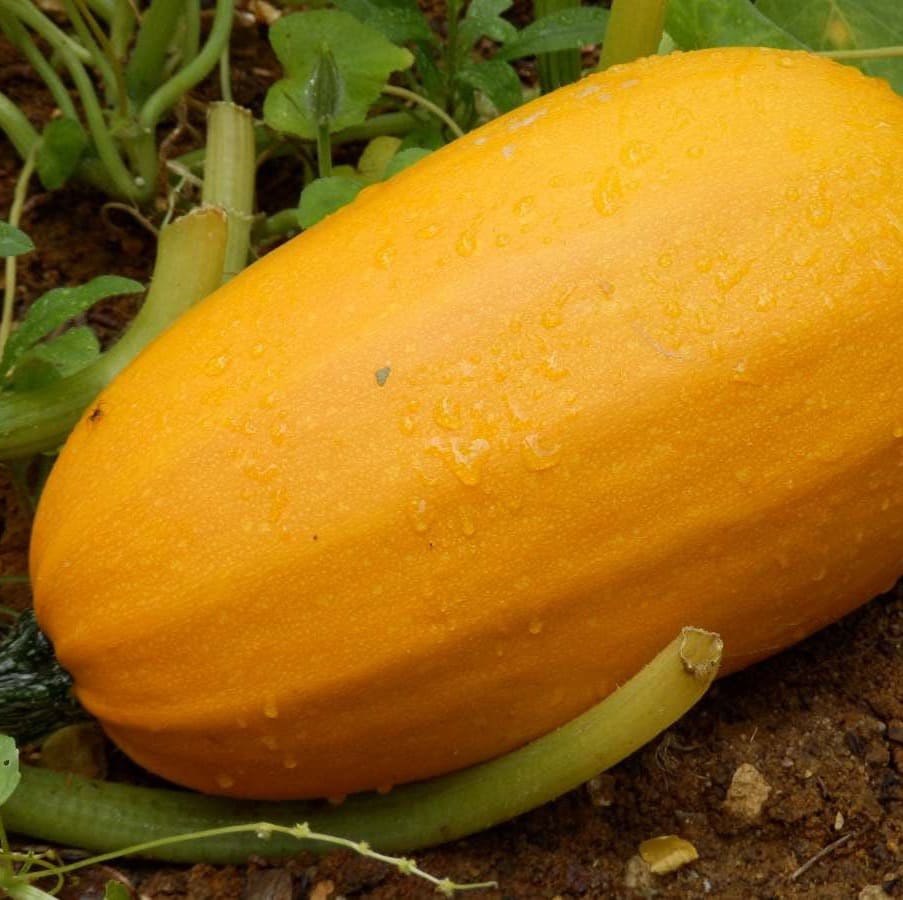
(225, 79)
(119, 175)
(14, 579)
(189, 266)
(15, 215)
(324, 149)
(393, 123)
(168, 94)
(562, 66)
(17, 128)
(144, 72)
(452, 15)
(191, 36)
(404, 94)
(98, 58)
(283, 222)
(635, 29)
(122, 27)
(867, 53)
(229, 178)
(21, 39)
(76, 811)
(55, 37)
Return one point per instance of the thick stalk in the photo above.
(101, 816)
(229, 178)
(144, 72)
(562, 66)
(189, 266)
(168, 94)
(635, 29)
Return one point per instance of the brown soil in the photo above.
(822, 724)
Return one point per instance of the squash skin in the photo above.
(647, 378)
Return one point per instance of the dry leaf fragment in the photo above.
(667, 853)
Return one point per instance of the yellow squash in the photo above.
(440, 473)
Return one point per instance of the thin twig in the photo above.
(825, 851)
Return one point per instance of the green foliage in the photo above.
(497, 81)
(9, 768)
(562, 30)
(328, 46)
(403, 159)
(324, 196)
(723, 23)
(63, 145)
(44, 316)
(13, 242)
(401, 21)
(845, 25)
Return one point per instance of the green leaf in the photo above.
(362, 58)
(401, 21)
(376, 156)
(45, 363)
(484, 19)
(562, 30)
(403, 159)
(116, 890)
(496, 80)
(14, 242)
(9, 768)
(430, 77)
(427, 133)
(56, 307)
(723, 23)
(324, 196)
(845, 25)
(62, 146)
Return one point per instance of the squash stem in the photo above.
(229, 178)
(101, 816)
(634, 29)
(189, 266)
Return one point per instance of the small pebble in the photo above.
(747, 794)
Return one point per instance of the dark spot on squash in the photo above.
(96, 414)
(382, 375)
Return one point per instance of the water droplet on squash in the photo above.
(407, 425)
(216, 365)
(898, 431)
(428, 231)
(819, 214)
(418, 514)
(468, 527)
(225, 781)
(535, 627)
(744, 476)
(536, 457)
(258, 349)
(447, 414)
(270, 709)
(551, 318)
(695, 152)
(290, 762)
(384, 257)
(466, 244)
(608, 194)
(524, 207)
(463, 457)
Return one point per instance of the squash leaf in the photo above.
(561, 30)
(694, 24)
(401, 21)
(484, 19)
(324, 196)
(9, 768)
(57, 307)
(116, 890)
(497, 81)
(845, 25)
(45, 363)
(63, 144)
(336, 68)
(14, 242)
(403, 159)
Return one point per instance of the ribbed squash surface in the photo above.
(437, 475)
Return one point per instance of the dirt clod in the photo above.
(747, 794)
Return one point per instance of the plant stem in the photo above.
(17, 127)
(144, 72)
(324, 149)
(15, 215)
(101, 816)
(225, 80)
(21, 39)
(166, 96)
(635, 29)
(189, 266)
(122, 26)
(865, 53)
(404, 94)
(55, 37)
(560, 67)
(452, 14)
(98, 59)
(229, 178)
(119, 175)
(191, 37)
(283, 222)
